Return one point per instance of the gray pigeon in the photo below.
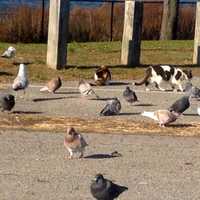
(9, 53)
(129, 95)
(21, 81)
(188, 86)
(104, 189)
(192, 91)
(180, 105)
(7, 102)
(112, 107)
(86, 89)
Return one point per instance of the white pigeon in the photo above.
(9, 53)
(198, 110)
(21, 81)
(164, 117)
(86, 89)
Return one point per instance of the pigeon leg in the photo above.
(161, 125)
(70, 154)
(81, 156)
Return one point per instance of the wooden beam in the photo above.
(169, 20)
(131, 41)
(196, 54)
(57, 33)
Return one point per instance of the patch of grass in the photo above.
(84, 57)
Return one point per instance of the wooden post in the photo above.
(169, 19)
(57, 33)
(196, 54)
(131, 41)
(111, 20)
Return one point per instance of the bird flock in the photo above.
(101, 188)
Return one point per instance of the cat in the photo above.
(165, 73)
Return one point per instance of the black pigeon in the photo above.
(104, 189)
(129, 95)
(7, 102)
(112, 107)
(180, 105)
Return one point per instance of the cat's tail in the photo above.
(148, 74)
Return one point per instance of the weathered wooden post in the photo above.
(131, 41)
(169, 20)
(196, 54)
(57, 33)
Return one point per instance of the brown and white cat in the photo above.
(165, 73)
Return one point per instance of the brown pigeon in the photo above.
(74, 142)
(102, 76)
(53, 85)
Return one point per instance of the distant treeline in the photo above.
(23, 24)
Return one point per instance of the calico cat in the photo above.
(165, 73)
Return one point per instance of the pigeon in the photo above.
(21, 81)
(164, 117)
(74, 142)
(104, 189)
(102, 76)
(86, 89)
(7, 102)
(194, 92)
(129, 95)
(188, 86)
(9, 53)
(112, 107)
(53, 85)
(180, 105)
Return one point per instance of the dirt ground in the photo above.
(153, 167)
(33, 166)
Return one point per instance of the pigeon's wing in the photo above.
(115, 190)
(115, 106)
(83, 143)
(106, 110)
(180, 105)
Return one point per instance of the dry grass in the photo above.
(23, 24)
(83, 57)
(108, 126)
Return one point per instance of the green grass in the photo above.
(84, 56)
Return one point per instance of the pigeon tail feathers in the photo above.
(150, 115)
(45, 88)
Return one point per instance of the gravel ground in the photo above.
(33, 166)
